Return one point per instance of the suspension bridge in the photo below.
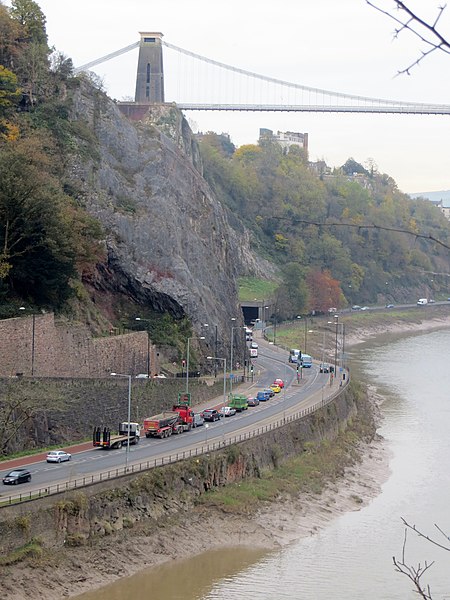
(231, 88)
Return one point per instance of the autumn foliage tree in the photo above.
(324, 291)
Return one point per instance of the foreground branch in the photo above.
(428, 33)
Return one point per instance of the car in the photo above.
(254, 345)
(356, 307)
(365, 308)
(58, 456)
(270, 392)
(227, 411)
(431, 301)
(160, 376)
(211, 414)
(17, 476)
(332, 309)
(252, 401)
(323, 368)
(279, 382)
(197, 420)
(448, 299)
(390, 305)
(263, 395)
(275, 388)
(142, 376)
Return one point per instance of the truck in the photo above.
(422, 301)
(160, 425)
(163, 425)
(253, 352)
(238, 402)
(103, 437)
(185, 417)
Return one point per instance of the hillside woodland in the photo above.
(100, 216)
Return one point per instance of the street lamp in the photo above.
(216, 358)
(129, 416)
(336, 321)
(202, 337)
(33, 338)
(231, 353)
(148, 345)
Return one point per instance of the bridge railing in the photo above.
(82, 482)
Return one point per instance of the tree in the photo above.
(37, 255)
(416, 573)
(324, 291)
(31, 20)
(409, 20)
(10, 95)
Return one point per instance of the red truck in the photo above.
(160, 425)
(165, 424)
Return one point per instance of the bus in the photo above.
(305, 361)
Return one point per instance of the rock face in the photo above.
(169, 241)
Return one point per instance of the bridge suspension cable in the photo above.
(297, 85)
(103, 59)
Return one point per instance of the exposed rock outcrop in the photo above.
(169, 241)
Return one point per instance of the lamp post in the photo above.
(231, 353)
(336, 321)
(33, 337)
(217, 358)
(148, 345)
(202, 337)
(129, 416)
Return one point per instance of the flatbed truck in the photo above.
(104, 438)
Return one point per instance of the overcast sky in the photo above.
(340, 45)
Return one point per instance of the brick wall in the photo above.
(40, 346)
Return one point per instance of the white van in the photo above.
(293, 355)
(422, 302)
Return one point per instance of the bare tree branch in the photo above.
(428, 538)
(424, 236)
(426, 32)
(414, 574)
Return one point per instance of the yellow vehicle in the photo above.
(275, 388)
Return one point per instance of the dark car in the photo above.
(252, 401)
(324, 368)
(211, 414)
(17, 476)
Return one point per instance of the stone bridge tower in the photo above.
(150, 73)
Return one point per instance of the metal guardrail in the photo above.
(86, 481)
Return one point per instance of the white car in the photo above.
(58, 456)
(254, 346)
(227, 411)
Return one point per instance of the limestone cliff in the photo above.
(169, 241)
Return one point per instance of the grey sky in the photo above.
(340, 45)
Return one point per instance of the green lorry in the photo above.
(238, 402)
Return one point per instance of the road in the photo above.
(270, 364)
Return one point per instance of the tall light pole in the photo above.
(202, 337)
(336, 321)
(148, 345)
(217, 358)
(231, 353)
(33, 338)
(129, 416)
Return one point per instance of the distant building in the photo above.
(444, 207)
(285, 138)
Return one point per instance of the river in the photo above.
(352, 557)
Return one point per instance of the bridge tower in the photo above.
(150, 73)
